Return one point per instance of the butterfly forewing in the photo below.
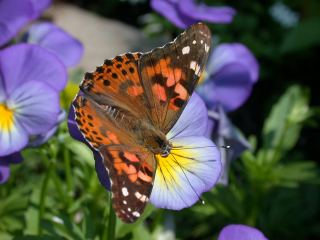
(169, 74)
(117, 83)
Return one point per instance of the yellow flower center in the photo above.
(6, 118)
(170, 168)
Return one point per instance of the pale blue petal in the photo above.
(193, 120)
(13, 140)
(193, 167)
(36, 106)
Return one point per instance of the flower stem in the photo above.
(111, 230)
(67, 165)
(43, 194)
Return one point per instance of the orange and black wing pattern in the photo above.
(130, 166)
(170, 73)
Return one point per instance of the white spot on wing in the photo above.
(201, 41)
(136, 214)
(125, 191)
(129, 209)
(141, 197)
(185, 50)
(124, 202)
(194, 42)
(206, 47)
(195, 67)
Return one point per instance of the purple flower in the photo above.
(240, 232)
(184, 13)
(192, 167)
(14, 14)
(231, 73)
(50, 36)
(30, 81)
(4, 165)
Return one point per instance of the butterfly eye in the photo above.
(166, 150)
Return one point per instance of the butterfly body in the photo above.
(129, 104)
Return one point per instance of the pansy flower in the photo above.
(30, 81)
(231, 73)
(193, 167)
(186, 12)
(55, 39)
(14, 14)
(240, 232)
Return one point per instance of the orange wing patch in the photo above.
(90, 124)
(119, 75)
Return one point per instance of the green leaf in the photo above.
(306, 34)
(282, 128)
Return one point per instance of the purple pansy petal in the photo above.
(240, 232)
(13, 139)
(14, 14)
(73, 127)
(227, 53)
(169, 9)
(186, 178)
(206, 13)
(21, 63)
(226, 134)
(4, 165)
(39, 139)
(101, 171)
(230, 86)
(36, 106)
(39, 6)
(3, 94)
(193, 120)
(211, 125)
(4, 172)
(48, 35)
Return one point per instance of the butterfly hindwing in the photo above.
(169, 74)
(130, 166)
(131, 175)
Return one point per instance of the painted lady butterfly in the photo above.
(128, 105)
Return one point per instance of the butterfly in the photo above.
(126, 110)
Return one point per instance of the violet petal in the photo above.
(14, 14)
(207, 13)
(240, 232)
(67, 48)
(21, 63)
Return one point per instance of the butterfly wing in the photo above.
(131, 177)
(130, 166)
(170, 73)
(117, 83)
